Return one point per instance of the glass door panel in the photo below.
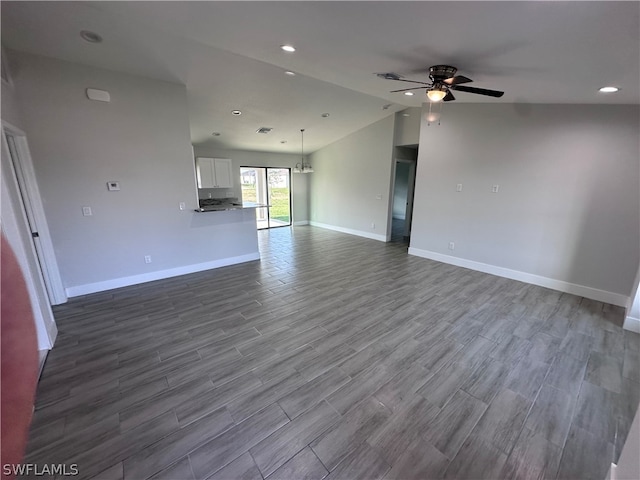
(270, 186)
(279, 197)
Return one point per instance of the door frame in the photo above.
(411, 185)
(34, 213)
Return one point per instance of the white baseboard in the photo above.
(560, 285)
(632, 323)
(158, 275)
(301, 222)
(359, 233)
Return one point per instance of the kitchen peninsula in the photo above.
(224, 204)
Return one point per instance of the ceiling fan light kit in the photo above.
(443, 80)
(436, 94)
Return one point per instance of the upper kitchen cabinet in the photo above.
(214, 172)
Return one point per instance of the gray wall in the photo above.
(10, 109)
(568, 206)
(140, 139)
(243, 158)
(349, 175)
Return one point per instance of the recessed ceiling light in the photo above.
(406, 115)
(236, 112)
(288, 48)
(609, 89)
(216, 134)
(324, 115)
(408, 94)
(91, 37)
(290, 73)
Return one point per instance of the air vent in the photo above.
(264, 130)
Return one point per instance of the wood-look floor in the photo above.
(336, 357)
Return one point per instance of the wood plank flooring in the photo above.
(336, 357)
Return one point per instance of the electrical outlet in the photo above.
(452, 246)
(459, 187)
(495, 188)
(147, 259)
(86, 211)
(373, 225)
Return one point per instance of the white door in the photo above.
(34, 212)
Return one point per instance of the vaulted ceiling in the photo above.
(228, 56)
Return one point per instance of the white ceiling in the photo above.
(228, 56)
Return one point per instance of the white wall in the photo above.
(568, 207)
(407, 126)
(628, 467)
(140, 139)
(632, 319)
(244, 158)
(349, 176)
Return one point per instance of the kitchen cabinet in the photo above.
(214, 172)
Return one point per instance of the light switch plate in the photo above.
(86, 211)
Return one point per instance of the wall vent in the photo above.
(264, 130)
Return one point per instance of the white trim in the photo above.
(301, 222)
(560, 285)
(158, 275)
(350, 231)
(632, 324)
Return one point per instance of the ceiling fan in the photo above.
(443, 80)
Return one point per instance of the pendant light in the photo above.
(302, 167)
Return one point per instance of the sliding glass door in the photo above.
(270, 186)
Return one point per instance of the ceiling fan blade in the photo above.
(412, 81)
(407, 89)
(448, 97)
(457, 80)
(479, 91)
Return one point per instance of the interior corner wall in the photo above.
(407, 126)
(140, 139)
(567, 211)
(246, 158)
(351, 185)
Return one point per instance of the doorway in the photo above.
(402, 205)
(269, 186)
